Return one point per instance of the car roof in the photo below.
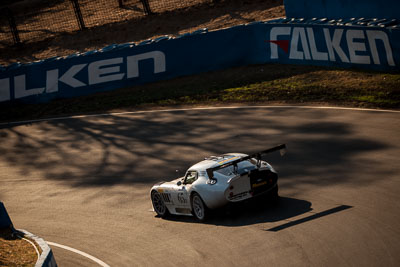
(215, 161)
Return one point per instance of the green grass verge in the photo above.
(248, 85)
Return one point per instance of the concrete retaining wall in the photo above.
(46, 259)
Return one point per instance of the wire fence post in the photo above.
(146, 7)
(78, 14)
(13, 26)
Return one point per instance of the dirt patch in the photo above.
(211, 16)
(15, 251)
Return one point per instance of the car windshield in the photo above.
(242, 167)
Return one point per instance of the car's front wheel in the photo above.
(199, 209)
(159, 205)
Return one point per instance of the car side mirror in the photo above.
(179, 183)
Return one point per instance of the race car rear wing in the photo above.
(257, 156)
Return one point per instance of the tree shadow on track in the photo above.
(149, 147)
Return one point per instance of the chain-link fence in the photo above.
(36, 20)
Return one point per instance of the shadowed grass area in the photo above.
(254, 84)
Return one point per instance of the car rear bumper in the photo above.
(251, 185)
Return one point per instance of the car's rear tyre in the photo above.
(199, 209)
(273, 195)
(159, 205)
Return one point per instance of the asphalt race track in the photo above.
(84, 182)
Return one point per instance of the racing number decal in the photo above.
(181, 198)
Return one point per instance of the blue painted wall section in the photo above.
(5, 221)
(281, 41)
(342, 9)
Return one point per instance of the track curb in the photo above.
(46, 258)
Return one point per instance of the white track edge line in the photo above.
(30, 242)
(101, 263)
(188, 109)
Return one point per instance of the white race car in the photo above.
(215, 182)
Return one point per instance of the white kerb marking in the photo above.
(101, 263)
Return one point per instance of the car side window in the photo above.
(191, 176)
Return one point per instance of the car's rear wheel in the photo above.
(199, 209)
(158, 204)
(273, 195)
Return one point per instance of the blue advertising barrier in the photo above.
(280, 41)
(332, 43)
(342, 9)
(5, 221)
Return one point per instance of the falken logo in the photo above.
(97, 72)
(347, 46)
